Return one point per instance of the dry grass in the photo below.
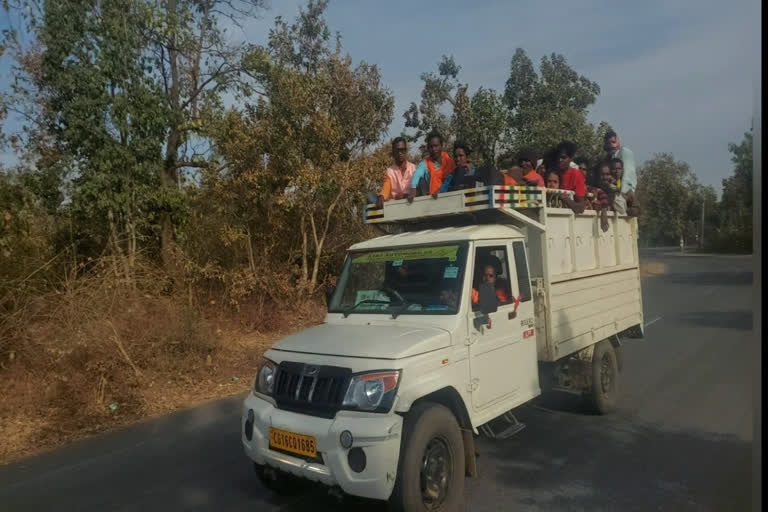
(98, 353)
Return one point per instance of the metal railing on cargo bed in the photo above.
(522, 203)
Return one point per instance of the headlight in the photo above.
(372, 391)
(265, 377)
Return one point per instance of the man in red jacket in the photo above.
(571, 177)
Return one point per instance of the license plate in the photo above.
(294, 443)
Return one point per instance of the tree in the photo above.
(546, 108)
(486, 123)
(440, 90)
(736, 203)
(194, 64)
(320, 117)
(106, 114)
(667, 190)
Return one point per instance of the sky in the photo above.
(675, 76)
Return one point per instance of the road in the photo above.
(682, 439)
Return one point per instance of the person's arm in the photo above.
(446, 186)
(419, 173)
(579, 187)
(576, 204)
(386, 190)
(629, 179)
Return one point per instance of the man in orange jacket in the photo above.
(431, 172)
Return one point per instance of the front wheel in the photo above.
(604, 393)
(430, 474)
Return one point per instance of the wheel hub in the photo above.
(436, 469)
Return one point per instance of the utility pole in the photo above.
(701, 239)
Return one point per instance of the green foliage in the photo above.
(300, 157)
(665, 188)
(549, 107)
(736, 213)
(439, 90)
(105, 112)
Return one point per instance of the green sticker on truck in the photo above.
(448, 252)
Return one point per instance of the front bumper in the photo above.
(377, 434)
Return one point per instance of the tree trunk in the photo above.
(304, 250)
(169, 177)
(251, 259)
(320, 241)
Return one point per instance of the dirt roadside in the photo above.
(28, 430)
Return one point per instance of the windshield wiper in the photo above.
(394, 293)
(403, 307)
(349, 310)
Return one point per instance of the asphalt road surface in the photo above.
(682, 439)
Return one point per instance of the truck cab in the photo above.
(433, 335)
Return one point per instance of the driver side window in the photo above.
(491, 266)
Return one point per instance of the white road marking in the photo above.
(648, 324)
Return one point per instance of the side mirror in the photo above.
(488, 303)
(329, 296)
(487, 300)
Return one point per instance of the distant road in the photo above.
(682, 439)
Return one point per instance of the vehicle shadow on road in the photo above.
(709, 278)
(741, 320)
(621, 465)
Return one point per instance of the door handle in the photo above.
(511, 315)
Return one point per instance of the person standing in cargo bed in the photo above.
(397, 178)
(571, 178)
(431, 172)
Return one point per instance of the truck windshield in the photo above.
(422, 280)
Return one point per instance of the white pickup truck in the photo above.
(435, 334)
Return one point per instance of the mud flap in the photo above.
(470, 458)
(634, 333)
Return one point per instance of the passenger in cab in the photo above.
(571, 177)
(433, 170)
(489, 276)
(397, 178)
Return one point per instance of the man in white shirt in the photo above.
(614, 149)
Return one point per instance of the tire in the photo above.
(277, 481)
(604, 393)
(430, 430)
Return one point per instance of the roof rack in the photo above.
(523, 204)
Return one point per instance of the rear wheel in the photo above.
(430, 474)
(604, 393)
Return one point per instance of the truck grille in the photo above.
(310, 389)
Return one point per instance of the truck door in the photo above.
(499, 363)
(527, 363)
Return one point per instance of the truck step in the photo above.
(502, 427)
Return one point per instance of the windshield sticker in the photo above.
(451, 273)
(397, 263)
(408, 254)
